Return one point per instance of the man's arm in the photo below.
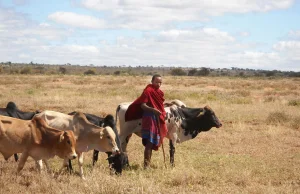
(147, 108)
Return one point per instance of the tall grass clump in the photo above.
(295, 102)
(278, 118)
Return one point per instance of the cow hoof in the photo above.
(83, 178)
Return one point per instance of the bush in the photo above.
(178, 71)
(90, 72)
(62, 70)
(117, 72)
(277, 117)
(26, 70)
(203, 72)
(294, 103)
(192, 72)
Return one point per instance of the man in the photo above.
(150, 107)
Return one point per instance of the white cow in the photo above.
(182, 123)
(88, 135)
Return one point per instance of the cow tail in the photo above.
(117, 111)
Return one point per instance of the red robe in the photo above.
(154, 98)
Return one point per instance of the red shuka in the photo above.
(154, 98)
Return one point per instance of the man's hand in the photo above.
(156, 112)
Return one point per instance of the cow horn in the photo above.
(201, 113)
(101, 134)
(61, 138)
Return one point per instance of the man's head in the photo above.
(156, 80)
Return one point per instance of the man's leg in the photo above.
(147, 154)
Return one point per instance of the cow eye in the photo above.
(108, 137)
(69, 142)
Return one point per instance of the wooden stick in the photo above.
(161, 139)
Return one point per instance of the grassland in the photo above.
(256, 151)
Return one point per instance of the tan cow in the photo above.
(36, 139)
(88, 135)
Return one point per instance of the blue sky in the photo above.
(256, 34)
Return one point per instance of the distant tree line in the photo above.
(34, 68)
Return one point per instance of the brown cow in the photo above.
(36, 139)
(89, 136)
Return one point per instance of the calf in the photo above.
(12, 110)
(36, 139)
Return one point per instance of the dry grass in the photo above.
(256, 150)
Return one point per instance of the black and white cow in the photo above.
(118, 161)
(12, 110)
(183, 124)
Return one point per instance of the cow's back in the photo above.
(56, 119)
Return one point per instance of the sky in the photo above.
(254, 34)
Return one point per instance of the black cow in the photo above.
(118, 161)
(12, 110)
(183, 124)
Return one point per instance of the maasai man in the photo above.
(150, 107)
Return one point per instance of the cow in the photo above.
(88, 135)
(36, 139)
(117, 161)
(12, 110)
(183, 123)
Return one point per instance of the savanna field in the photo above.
(257, 150)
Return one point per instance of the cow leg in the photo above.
(124, 142)
(70, 167)
(80, 162)
(47, 166)
(39, 165)
(65, 164)
(172, 152)
(16, 157)
(95, 156)
(22, 161)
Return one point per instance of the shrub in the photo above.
(295, 102)
(26, 70)
(62, 70)
(295, 124)
(192, 72)
(117, 73)
(277, 117)
(90, 72)
(178, 71)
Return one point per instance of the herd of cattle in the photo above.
(43, 135)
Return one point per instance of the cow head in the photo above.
(199, 119)
(67, 144)
(209, 118)
(108, 140)
(118, 161)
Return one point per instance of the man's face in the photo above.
(157, 82)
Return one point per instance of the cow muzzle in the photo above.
(73, 156)
(115, 151)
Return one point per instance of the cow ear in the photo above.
(62, 136)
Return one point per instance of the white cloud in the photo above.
(77, 20)
(294, 34)
(153, 14)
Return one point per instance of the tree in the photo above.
(178, 71)
(203, 71)
(62, 70)
(90, 72)
(192, 72)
